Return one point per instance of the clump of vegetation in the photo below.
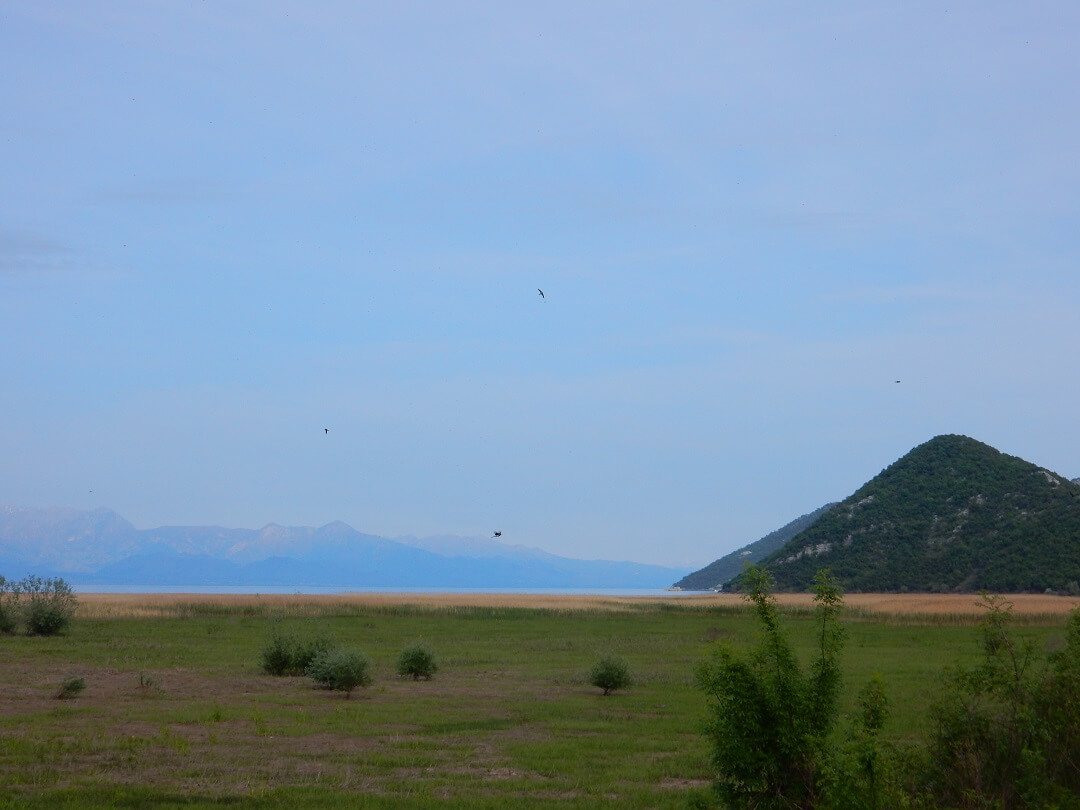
(1007, 732)
(1003, 734)
(288, 655)
(9, 607)
(609, 673)
(863, 773)
(340, 669)
(417, 661)
(769, 721)
(51, 605)
(147, 682)
(70, 688)
(45, 605)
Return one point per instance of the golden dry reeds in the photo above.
(149, 605)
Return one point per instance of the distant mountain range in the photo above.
(953, 514)
(99, 548)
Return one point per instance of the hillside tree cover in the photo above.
(952, 515)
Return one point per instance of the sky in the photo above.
(226, 227)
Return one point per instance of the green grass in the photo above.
(509, 719)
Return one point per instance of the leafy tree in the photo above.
(1007, 732)
(769, 721)
(340, 669)
(50, 605)
(416, 662)
(610, 673)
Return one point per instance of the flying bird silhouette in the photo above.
(541, 293)
(497, 534)
(325, 431)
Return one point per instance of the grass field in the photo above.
(177, 713)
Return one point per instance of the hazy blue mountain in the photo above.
(101, 549)
(65, 539)
(165, 568)
(714, 575)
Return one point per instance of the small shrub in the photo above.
(147, 682)
(417, 662)
(340, 669)
(287, 655)
(277, 655)
(70, 688)
(50, 605)
(307, 650)
(9, 607)
(610, 673)
(861, 773)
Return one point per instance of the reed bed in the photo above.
(916, 608)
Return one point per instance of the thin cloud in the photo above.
(168, 192)
(24, 252)
(907, 292)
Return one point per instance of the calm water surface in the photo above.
(313, 590)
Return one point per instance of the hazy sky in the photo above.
(226, 226)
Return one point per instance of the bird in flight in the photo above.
(325, 431)
(497, 534)
(541, 293)
(898, 382)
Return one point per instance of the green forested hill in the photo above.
(952, 515)
(716, 573)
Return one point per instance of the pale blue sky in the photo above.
(225, 226)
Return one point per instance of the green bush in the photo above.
(50, 605)
(340, 669)
(1007, 732)
(610, 673)
(9, 607)
(416, 662)
(1058, 703)
(288, 655)
(769, 720)
(864, 772)
(70, 688)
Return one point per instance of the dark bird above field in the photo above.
(497, 534)
(541, 293)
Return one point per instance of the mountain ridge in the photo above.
(951, 515)
(99, 548)
(717, 573)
